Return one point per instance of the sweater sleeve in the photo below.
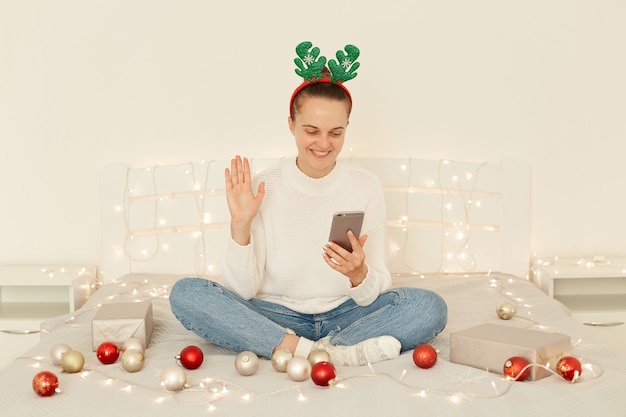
(242, 268)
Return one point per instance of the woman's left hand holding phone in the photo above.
(243, 204)
(351, 264)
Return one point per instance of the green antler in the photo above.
(310, 67)
(345, 67)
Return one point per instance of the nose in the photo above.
(325, 141)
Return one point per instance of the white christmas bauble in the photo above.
(57, 352)
(173, 378)
(299, 369)
(135, 344)
(247, 363)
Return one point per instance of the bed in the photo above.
(458, 228)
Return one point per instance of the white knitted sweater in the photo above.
(283, 262)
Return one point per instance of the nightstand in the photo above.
(31, 294)
(594, 290)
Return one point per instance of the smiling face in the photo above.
(319, 127)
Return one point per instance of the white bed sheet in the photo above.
(390, 388)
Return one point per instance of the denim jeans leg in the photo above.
(223, 318)
(411, 315)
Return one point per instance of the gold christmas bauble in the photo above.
(506, 310)
(132, 360)
(280, 359)
(72, 361)
(318, 355)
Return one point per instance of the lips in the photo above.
(320, 154)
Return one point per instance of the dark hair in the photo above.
(325, 90)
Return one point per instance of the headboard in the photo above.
(443, 216)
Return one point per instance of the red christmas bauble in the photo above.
(424, 356)
(323, 374)
(107, 352)
(45, 383)
(513, 368)
(191, 357)
(569, 368)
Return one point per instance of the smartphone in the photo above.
(342, 222)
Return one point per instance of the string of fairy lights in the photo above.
(463, 230)
(597, 263)
(208, 388)
(457, 193)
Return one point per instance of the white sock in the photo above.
(304, 347)
(372, 350)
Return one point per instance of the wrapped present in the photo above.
(118, 322)
(488, 346)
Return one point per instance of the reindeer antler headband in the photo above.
(311, 67)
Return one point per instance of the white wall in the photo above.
(85, 83)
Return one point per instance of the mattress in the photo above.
(391, 388)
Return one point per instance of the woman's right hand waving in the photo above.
(242, 203)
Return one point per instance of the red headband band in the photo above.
(307, 83)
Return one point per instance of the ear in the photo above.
(292, 124)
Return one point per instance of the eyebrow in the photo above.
(315, 127)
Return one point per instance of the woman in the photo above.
(279, 292)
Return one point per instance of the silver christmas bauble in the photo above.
(280, 359)
(299, 369)
(506, 310)
(132, 360)
(135, 344)
(57, 352)
(173, 378)
(247, 363)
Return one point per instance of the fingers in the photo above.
(330, 257)
(246, 170)
(261, 190)
(340, 259)
(239, 172)
(227, 180)
(356, 243)
(351, 264)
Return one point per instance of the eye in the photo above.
(311, 132)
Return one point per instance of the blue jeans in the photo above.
(411, 315)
